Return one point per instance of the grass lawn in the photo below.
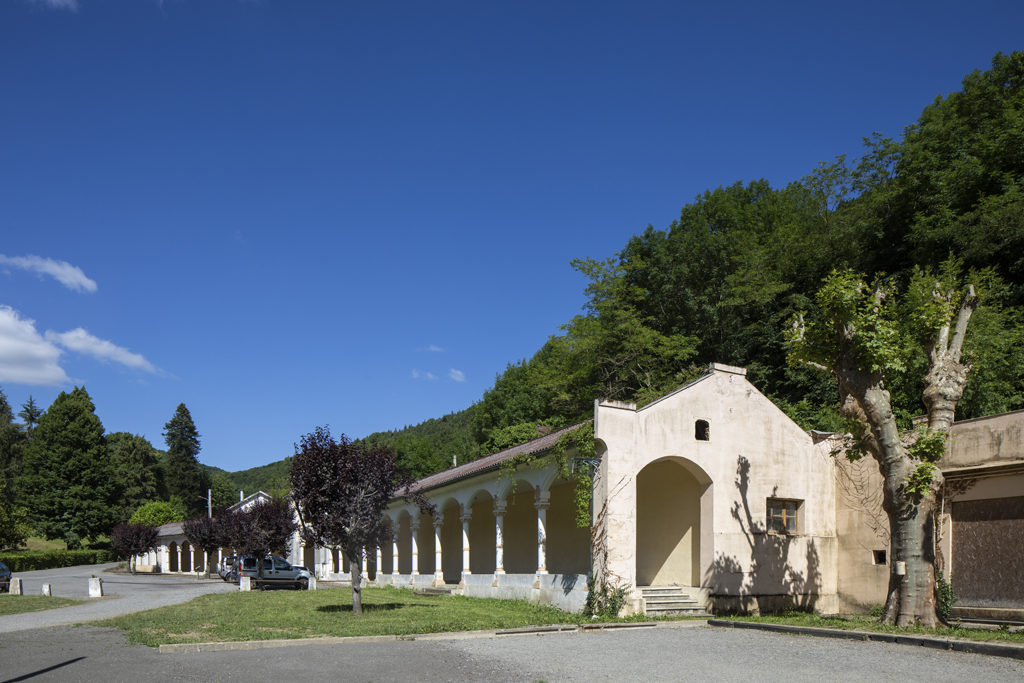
(866, 623)
(34, 544)
(19, 604)
(308, 614)
(39, 544)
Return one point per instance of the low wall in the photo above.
(567, 592)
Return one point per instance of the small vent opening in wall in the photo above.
(702, 430)
(879, 556)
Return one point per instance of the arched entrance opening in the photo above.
(520, 537)
(404, 535)
(568, 545)
(186, 557)
(172, 557)
(425, 543)
(482, 534)
(451, 542)
(669, 523)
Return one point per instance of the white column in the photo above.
(414, 528)
(542, 504)
(177, 549)
(366, 572)
(466, 516)
(499, 540)
(394, 555)
(191, 558)
(380, 561)
(438, 568)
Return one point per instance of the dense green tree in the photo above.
(431, 446)
(14, 529)
(136, 463)
(67, 482)
(517, 397)
(30, 414)
(508, 437)
(959, 179)
(182, 471)
(159, 512)
(224, 493)
(12, 444)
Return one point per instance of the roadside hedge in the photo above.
(51, 559)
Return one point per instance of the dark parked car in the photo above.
(5, 578)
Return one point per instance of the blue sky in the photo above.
(291, 213)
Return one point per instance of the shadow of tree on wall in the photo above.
(769, 582)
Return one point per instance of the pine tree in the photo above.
(67, 482)
(30, 414)
(184, 477)
(136, 463)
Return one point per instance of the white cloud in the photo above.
(57, 4)
(435, 349)
(456, 375)
(416, 374)
(83, 342)
(25, 357)
(68, 275)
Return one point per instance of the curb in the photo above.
(968, 646)
(183, 648)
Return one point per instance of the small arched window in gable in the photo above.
(702, 430)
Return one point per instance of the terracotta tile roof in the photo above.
(492, 462)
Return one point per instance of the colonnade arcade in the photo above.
(506, 526)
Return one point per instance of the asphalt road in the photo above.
(123, 594)
(657, 655)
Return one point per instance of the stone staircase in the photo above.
(669, 600)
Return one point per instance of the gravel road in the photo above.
(123, 594)
(657, 655)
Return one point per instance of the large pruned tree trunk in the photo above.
(857, 345)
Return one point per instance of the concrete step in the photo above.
(670, 600)
(671, 603)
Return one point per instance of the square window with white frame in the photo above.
(783, 516)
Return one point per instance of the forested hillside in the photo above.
(724, 281)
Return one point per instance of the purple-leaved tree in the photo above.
(131, 540)
(262, 529)
(341, 489)
(206, 534)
